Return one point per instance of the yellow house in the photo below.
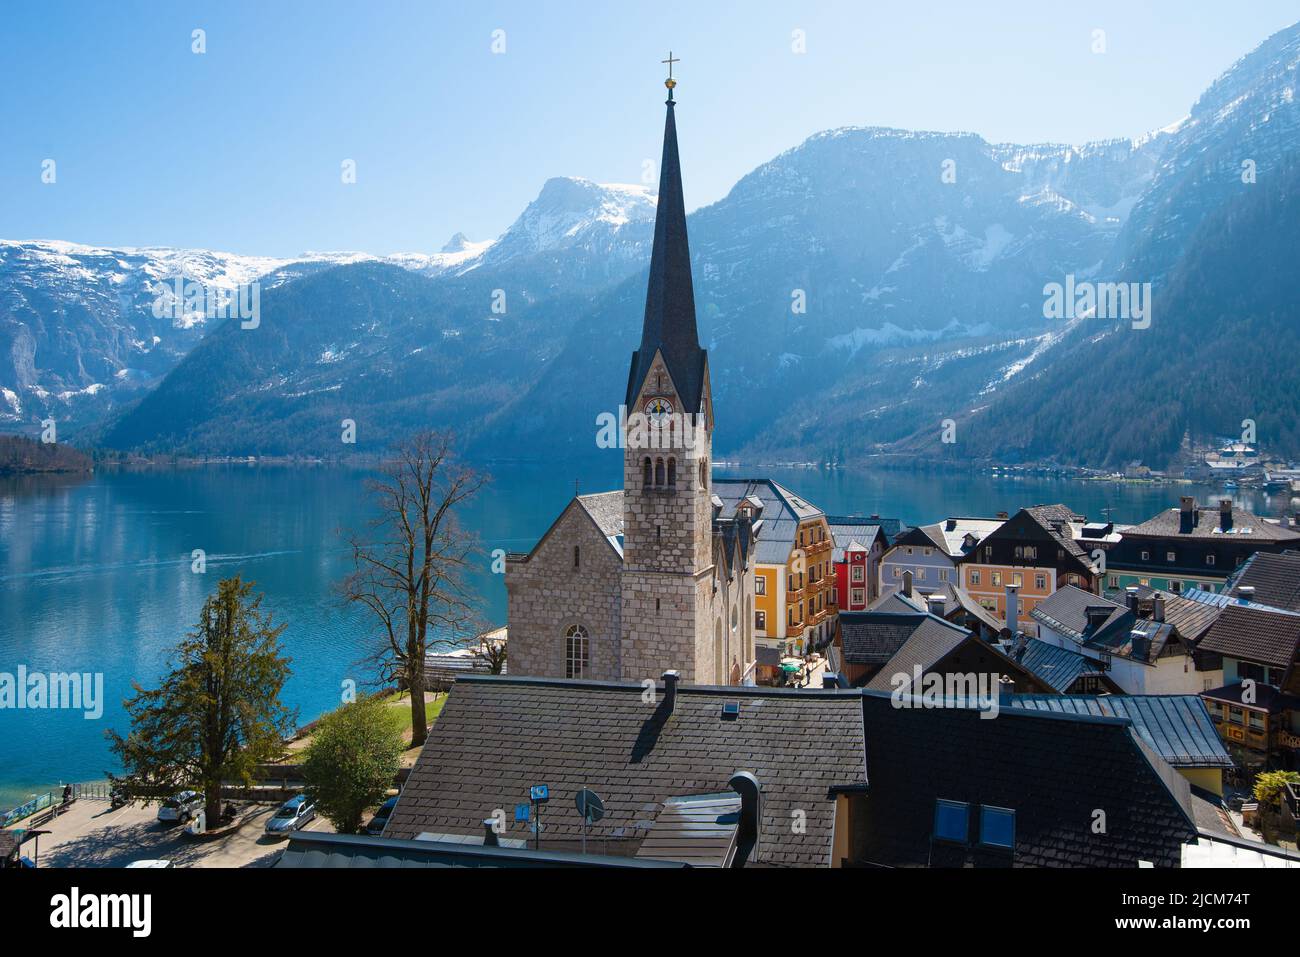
(794, 574)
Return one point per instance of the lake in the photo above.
(95, 571)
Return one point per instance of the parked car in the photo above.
(291, 815)
(181, 807)
(150, 863)
(380, 820)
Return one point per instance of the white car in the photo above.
(181, 807)
(291, 815)
(150, 863)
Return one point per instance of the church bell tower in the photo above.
(668, 511)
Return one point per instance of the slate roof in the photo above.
(1121, 633)
(317, 849)
(1206, 525)
(929, 642)
(1066, 611)
(1254, 634)
(873, 637)
(1178, 727)
(1053, 770)
(1056, 520)
(949, 534)
(1275, 578)
(1211, 816)
(849, 530)
(1059, 667)
(496, 737)
(606, 510)
(1267, 698)
(1190, 617)
(777, 526)
(669, 325)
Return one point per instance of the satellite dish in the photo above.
(590, 806)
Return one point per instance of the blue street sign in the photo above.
(523, 813)
(539, 792)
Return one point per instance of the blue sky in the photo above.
(240, 148)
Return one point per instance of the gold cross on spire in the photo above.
(670, 82)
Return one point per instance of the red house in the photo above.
(860, 544)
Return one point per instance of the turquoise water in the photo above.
(95, 572)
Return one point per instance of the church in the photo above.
(628, 584)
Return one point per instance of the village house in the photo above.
(860, 544)
(1132, 643)
(793, 571)
(1257, 709)
(931, 552)
(1035, 552)
(1191, 547)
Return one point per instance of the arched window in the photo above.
(659, 473)
(672, 473)
(704, 474)
(648, 476)
(577, 652)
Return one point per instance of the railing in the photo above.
(53, 801)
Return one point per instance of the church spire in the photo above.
(669, 325)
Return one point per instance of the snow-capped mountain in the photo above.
(853, 291)
(80, 329)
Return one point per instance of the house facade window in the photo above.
(577, 652)
(943, 574)
(1040, 582)
(974, 577)
(1209, 559)
(859, 596)
(760, 585)
(859, 573)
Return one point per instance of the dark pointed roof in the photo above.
(669, 325)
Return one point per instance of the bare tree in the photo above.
(410, 570)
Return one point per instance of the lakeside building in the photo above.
(1025, 560)
(1192, 547)
(931, 552)
(626, 584)
(860, 546)
(793, 573)
(1132, 643)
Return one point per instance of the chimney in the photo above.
(1246, 593)
(489, 832)
(1225, 513)
(830, 679)
(951, 525)
(751, 812)
(1186, 514)
(1158, 608)
(935, 603)
(907, 584)
(1131, 598)
(1003, 515)
(1013, 609)
(670, 690)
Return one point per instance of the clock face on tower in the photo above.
(658, 411)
